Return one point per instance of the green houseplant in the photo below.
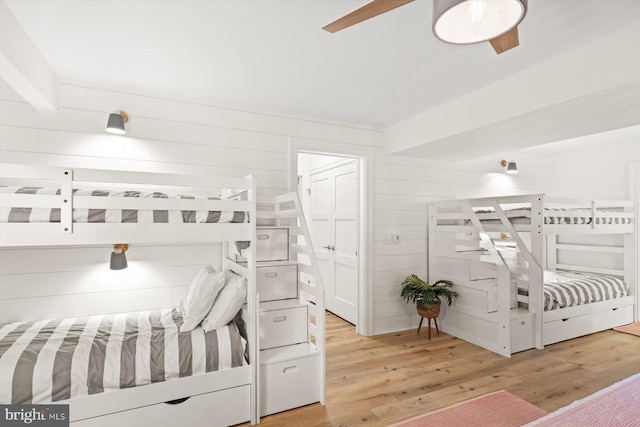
(427, 297)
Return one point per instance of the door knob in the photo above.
(328, 247)
(333, 248)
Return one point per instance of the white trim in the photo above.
(634, 194)
(365, 156)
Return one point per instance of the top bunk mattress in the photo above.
(27, 214)
(568, 288)
(52, 360)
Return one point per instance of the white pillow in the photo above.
(227, 304)
(200, 296)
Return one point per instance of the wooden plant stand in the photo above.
(430, 312)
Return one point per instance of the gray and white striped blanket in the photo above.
(27, 214)
(556, 216)
(567, 289)
(52, 360)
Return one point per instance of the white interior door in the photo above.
(334, 229)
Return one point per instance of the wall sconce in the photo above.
(116, 122)
(118, 257)
(511, 166)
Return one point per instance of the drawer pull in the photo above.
(615, 309)
(522, 323)
(178, 401)
(280, 319)
(270, 275)
(564, 320)
(290, 370)
(262, 237)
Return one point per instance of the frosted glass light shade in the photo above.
(475, 21)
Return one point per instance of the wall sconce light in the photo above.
(118, 257)
(116, 122)
(511, 166)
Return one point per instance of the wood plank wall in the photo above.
(182, 137)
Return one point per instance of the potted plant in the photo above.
(427, 297)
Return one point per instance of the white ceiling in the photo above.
(272, 56)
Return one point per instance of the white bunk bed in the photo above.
(498, 251)
(222, 397)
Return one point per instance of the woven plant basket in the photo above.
(430, 312)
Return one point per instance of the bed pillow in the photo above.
(199, 298)
(227, 304)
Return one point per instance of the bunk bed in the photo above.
(213, 383)
(533, 270)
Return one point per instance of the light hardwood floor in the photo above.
(376, 381)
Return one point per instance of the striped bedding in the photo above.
(567, 289)
(554, 217)
(25, 214)
(52, 360)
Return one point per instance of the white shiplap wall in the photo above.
(404, 186)
(182, 137)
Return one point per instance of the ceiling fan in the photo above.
(455, 21)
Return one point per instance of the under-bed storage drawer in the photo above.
(289, 384)
(564, 329)
(283, 326)
(220, 408)
(276, 282)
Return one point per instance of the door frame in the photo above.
(634, 194)
(365, 157)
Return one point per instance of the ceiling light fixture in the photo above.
(116, 122)
(475, 21)
(511, 166)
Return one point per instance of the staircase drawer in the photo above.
(283, 327)
(277, 282)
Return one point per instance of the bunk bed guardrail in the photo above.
(174, 193)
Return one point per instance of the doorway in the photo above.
(328, 186)
(365, 157)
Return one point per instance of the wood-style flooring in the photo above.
(376, 381)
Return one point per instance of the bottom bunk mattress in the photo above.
(51, 360)
(567, 288)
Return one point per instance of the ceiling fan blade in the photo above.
(368, 11)
(506, 41)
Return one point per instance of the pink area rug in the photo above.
(617, 405)
(498, 409)
(633, 329)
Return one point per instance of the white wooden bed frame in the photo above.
(215, 398)
(481, 256)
